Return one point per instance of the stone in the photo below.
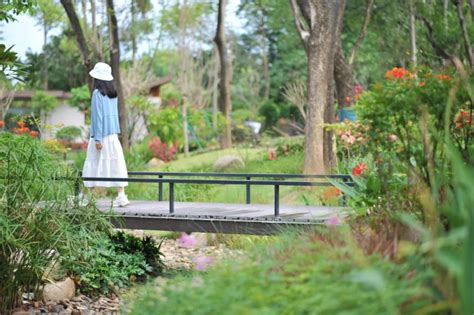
(61, 290)
(155, 162)
(227, 162)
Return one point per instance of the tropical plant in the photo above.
(39, 222)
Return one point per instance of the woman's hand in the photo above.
(98, 146)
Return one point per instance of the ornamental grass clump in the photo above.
(39, 221)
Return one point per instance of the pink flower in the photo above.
(333, 221)
(187, 241)
(202, 262)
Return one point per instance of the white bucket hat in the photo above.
(102, 71)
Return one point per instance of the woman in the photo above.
(104, 152)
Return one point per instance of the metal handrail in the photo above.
(254, 175)
(347, 179)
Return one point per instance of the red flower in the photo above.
(347, 100)
(21, 124)
(397, 73)
(2, 124)
(463, 119)
(358, 169)
(271, 155)
(34, 133)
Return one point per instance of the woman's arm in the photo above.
(97, 117)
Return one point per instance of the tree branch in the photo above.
(363, 31)
(462, 23)
(81, 41)
(300, 26)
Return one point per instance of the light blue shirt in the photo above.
(104, 116)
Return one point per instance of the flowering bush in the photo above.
(162, 150)
(405, 117)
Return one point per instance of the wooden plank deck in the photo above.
(216, 217)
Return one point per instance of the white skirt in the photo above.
(108, 162)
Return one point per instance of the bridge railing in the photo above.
(247, 179)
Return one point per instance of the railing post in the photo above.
(160, 189)
(344, 197)
(247, 191)
(171, 197)
(277, 200)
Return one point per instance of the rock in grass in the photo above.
(228, 162)
(61, 290)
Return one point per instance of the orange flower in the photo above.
(443, 77)
(330, 193)
(34, 133)
(422, 83)
(2, 124)
(21, 124)
(397, 73)
(347, 99)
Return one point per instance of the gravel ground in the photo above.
(185, 253)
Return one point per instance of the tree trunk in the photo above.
(343, 77)
(95, 37)
(330, 156)
(133, 31)
(115, 64)
(413, 35)
(225, 105)
(45, 58)
(81, 41)
(318, 23)
(185, 126)
(320, 68)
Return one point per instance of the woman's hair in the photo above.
(105, 88)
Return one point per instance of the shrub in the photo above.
(298, 275)
(113, 262)
(411, 117)
(167, 125)
(38, 221)
(286, 146)
(271, 113)
(69, 133)
(80, 98)
(162, 150)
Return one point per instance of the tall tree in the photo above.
(115, 64)
(225, 104)
(49, 15)
(318, 23)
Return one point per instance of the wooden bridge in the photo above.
(246, 218)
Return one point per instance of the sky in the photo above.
(26, 34)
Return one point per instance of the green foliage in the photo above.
(112, 262)
(167, 125)
(10, 68)
(293, 145)
(80, 97)
(39, 223)
(44, 102)
(298, 275)
(271, 113)
(60, 50)
(69, 133)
